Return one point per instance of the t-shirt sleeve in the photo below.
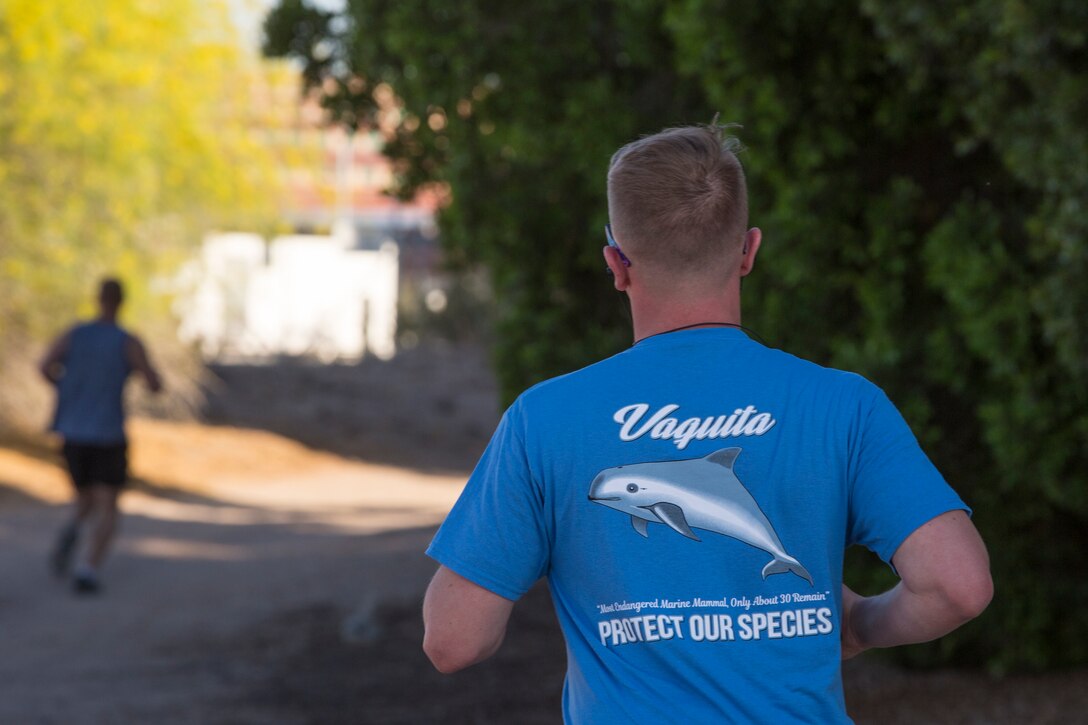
(495, 536)
(894, 486)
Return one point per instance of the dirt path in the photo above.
(251, 529)
(259, 581)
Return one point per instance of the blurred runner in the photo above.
(89, 365)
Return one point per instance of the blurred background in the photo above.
(352, 231)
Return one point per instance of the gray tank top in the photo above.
(89, 403)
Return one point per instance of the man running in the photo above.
(89, 365)
(689, 499)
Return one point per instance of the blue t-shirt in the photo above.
(90, 409)
(689, 501)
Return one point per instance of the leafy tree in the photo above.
(514, 110)
(1010, 267)
(123, 136)
(919, 172)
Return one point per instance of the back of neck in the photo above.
(649, 319)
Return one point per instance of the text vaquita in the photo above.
(663, 425)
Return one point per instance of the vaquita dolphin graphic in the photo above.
(698, 493)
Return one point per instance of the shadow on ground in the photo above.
(11, 494)
(322, 678)
(432, 408)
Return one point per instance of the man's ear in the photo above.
(752, 239)
(617, 269)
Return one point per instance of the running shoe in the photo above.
(85, 584)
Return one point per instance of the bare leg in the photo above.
(68, 537)
(84, 505)
(107, 515)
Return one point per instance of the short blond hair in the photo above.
(677, 201)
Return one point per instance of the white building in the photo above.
(296, 295)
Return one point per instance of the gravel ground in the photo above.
(321, 679)
(445, 398)
(431, 408)
(312, 654)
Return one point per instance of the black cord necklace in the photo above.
(750, 331)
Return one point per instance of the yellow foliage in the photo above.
(125, 133)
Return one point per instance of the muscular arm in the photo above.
(52, 362)
(945, 582)
(463, 622)
(138, 359)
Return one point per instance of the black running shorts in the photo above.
(94, 464)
